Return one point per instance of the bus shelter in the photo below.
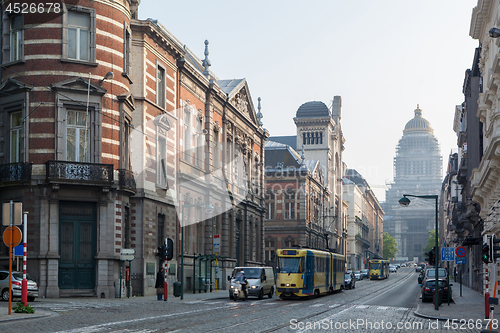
(206, 272)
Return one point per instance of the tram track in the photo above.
(262, 312)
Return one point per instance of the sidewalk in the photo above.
(188, 297)
(469, 306)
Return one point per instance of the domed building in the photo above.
(417, 171)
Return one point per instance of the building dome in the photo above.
(418, 124)
(313, 109)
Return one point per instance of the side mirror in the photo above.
(451, 284)
(420, 285)
(229, 278)
(263, 278)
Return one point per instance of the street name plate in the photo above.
(127, 254)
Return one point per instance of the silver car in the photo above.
(17, 280)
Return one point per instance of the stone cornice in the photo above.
(479, 16)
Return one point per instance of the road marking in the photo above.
(326, 319)
(316, 305)
(101, 327)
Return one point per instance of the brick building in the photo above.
(107, 128)
(297, 201)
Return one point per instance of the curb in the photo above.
(8, 318)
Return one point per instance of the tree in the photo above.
(390, 246)
(431, 242)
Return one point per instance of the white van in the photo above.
(260, 281)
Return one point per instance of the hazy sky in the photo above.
(383, 57)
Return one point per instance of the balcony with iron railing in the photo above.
(15, 173)
(365, 242)
(79, 173)
(126, 181)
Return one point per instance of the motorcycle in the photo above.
(238, 292)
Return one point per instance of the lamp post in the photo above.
(208, 209)
(404, 202)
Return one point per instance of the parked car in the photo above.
(364, 273)
(357, 275)
(17, 279)
(349, 280)
(429, 287)
(392, 269)
(430, 273)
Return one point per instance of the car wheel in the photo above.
(231, 297)
(5, 294)
(261, 294)
(31, 299)
(270, 295)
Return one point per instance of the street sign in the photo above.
(447, 254)
(461, 251)
(19, 250)
(16, 236)
(216, 243)
(127, 254)
(17, 220)
(460, 260)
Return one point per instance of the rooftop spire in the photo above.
(259, 114)
(206, 63)
(418, 112)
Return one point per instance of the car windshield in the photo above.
(364, 271)
(19, 276)
(433, 283)
(290, 265)
(347, 276)
(432, 273)
(357, 272)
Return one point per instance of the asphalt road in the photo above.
(373, 306)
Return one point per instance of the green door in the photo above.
(77, 243)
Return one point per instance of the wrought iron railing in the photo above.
(15, 172)
(126, 180)
(364, 241)
(78, 171)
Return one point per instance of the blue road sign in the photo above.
(19, 250)
(460, 260)
(447, 254)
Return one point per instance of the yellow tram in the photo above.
(379, 269)
(306, 272)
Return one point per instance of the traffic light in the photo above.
(169, 251)
(494, 248)
(161, 252)
(486, 253)
(431, 256)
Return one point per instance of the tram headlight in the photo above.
(288, 284)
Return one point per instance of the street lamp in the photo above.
(208, 209)
(404, 202)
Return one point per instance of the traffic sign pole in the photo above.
(24, 286)
(10, 254)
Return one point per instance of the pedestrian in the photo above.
(159, 285)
